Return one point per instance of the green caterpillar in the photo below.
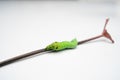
(57, 46)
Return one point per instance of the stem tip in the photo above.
(105, 33)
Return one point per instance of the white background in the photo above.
(29, 25)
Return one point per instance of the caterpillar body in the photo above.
(57, 46)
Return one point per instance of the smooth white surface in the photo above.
(27, 26)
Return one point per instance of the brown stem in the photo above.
(93, 38)
(104, 34)
(17, 58)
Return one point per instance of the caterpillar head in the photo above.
(54, 46)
